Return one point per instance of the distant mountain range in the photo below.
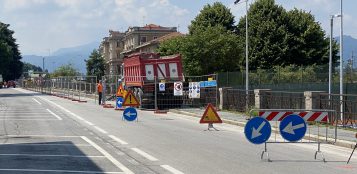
(77, 55)
(349, 45)
(73, 55)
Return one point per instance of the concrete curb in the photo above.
(341, 143)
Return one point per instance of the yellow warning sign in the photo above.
(210, 115)
(130, 100)
(120, 91)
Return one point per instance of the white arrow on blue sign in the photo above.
(130, 114)
(257, 130)
(120, 102)
(293, 128)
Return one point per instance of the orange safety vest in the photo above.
(100, 87)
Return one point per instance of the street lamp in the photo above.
(341, 63)
(246, 53)
(330, 59)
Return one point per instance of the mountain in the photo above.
(349, 45)
(73, 55)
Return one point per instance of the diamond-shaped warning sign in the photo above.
(210, 115)
(130, 100)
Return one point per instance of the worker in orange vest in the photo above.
(100, 91)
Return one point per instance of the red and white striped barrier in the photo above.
(307, 116)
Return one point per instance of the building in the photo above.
(111, 48)
(139, 36)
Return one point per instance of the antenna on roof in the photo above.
(143, 21)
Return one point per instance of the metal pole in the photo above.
(341, 64)
(330, 62)
(43, 64)
(246, 57)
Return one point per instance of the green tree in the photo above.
(65, 70)
(95, 64)
(281, 38)
(10, 64)
(213, 15)
(210, 50)
(28, 66)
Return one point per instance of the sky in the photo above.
(44, 26)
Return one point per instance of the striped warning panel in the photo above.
(308, 116)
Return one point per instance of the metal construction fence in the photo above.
(76, 88)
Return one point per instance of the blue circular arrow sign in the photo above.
(119, 102)
(257, 130)
(293, 128)
(130, 114)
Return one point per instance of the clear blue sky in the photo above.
(52, 24)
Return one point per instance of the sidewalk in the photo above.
(345, 138)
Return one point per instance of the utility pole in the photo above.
(43, 64)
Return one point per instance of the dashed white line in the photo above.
(108, 156)
(100, 129)
(89, 123)
(118, 139)
(58, 171)
(37, 101)
(171, 169)
(58, 117)
(44, 155)
(144, 154)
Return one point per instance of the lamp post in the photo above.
(341, 63)
(330, 59)
(246, 54)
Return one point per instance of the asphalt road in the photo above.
(47, 134)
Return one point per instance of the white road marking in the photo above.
(58, 117)
(39, 144)
(118, 139)
(37, 101)
(108, 156)
(100, 129)
(45, 155)
(171, 169)
(58, 171)
(89, 123)
(49, 136)
(144, 154)
(31, 119)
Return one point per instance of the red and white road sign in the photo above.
(307, 116)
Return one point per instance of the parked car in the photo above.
(11, 84)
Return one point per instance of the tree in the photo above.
(65, 70)
(280, 38)
(95, 64)
(28, 66)
(209, 50)
(213, 15)
(10, 66)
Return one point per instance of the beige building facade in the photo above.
(111, 48)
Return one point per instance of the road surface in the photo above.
(47, 134)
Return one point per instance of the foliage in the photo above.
(213, 15)
(280, 38)
(28, 66)
(10, 66)
(95, 64)
(210, 50)
(65, 70)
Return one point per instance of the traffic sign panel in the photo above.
(210, 115)
(130, 114)
(257, 130)
(130, 100)
(119, 102)
(120, 91)
(293, 128)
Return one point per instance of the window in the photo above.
(142, 39)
